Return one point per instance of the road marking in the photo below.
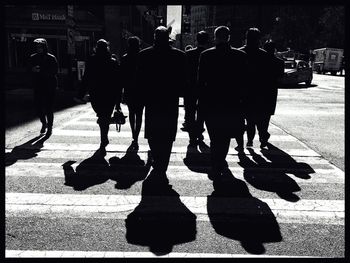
(144, 148)
(182, 172)
(121, 254)
(119, 206)
(127, 134)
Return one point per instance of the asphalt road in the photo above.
(316, 115)
(287, 200)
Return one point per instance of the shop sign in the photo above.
(51, 17)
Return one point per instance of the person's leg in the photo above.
(132, 115)
(138, 122)
(103, 123)
(199, 125)
(263, 126)
(250, 129)
(219, 145)
(49, 108)
(161, 151)
(39, 100)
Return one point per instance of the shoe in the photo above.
(43, 128)
(263, 144)
(250, 144)
(239, 149)
(79, 101)
(184, 127)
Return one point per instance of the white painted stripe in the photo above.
(309, 112)
(61, 156)
(127, 134)
(145, 147)
(122, 254)
(52, 170)
(112, 206)
(72, 121)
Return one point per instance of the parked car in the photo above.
(295, 72)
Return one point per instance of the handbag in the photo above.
(119, 119)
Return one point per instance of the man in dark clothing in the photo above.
(220, 79)
(162, 73)
(276, 71)
(102, 81)
(257, 88)
(43, 68)
(194, 122)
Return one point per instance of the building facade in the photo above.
(24, 23)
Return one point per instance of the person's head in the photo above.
(253, 37)
(161, 36)
(188, 47)
(102, 47)
(222, 35)
(270, 47)
(133, 44)
(40, 45)
(202, 38)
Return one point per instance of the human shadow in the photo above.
(161, 220)
(92, 171)
(129, 169)
(281, 159)
(197, 159)
(260, 174)
(26, 150)
(234, 213)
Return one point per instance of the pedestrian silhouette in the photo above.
(43, 68)
(26, 150)
(162, 73)
(275, 72)
(102, 79)
(132, 95)
(257, 96)
(194, 122)
(161, 220)
(220, 79)
(236, 214)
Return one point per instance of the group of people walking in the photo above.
(230, 90)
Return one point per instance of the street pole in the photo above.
(182, 25)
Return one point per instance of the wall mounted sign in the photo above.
(48, 17)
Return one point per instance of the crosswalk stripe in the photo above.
(311, 112)
(122, 254)
(112, 206)
(127, 134)
(144, 148)
(181, 172)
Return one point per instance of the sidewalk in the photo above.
(19, 104)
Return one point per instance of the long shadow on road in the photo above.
(161, 220)
(26, 150)
(236, 214)
(96, 170)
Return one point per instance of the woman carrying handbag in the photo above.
(102, 79)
